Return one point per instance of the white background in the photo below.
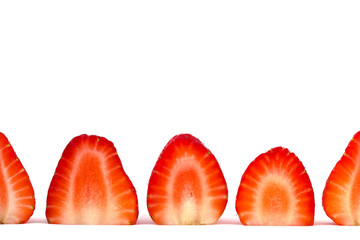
(242, 76)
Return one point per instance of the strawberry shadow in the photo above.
(324, 223)
(228, 221)
(37, 220)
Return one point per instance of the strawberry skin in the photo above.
(17, 200)
(90, 186)
(341, 196)
(275, 190)
(187, 185)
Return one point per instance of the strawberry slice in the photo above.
(275, 190)
(17, 200)
(341, 196)
(90, 186)
(187, 185)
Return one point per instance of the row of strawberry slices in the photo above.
(186, 186)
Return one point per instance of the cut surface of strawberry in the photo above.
(187, 185)
(90, 186)
(17, 200)
(275, 190)
(341, 196)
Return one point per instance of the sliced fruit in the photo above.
(187, 185)
(275, 190)
(341, 196)
(90, 186)
(17, 200)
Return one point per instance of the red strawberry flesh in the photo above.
(275, 190)
(341, 196)
(17, 200)
(187, 185)
(90, 186)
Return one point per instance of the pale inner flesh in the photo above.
(276, 203)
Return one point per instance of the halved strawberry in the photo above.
(187, 185)
(275, 190)
(17, 200)
(90, 186)
(341, 196)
